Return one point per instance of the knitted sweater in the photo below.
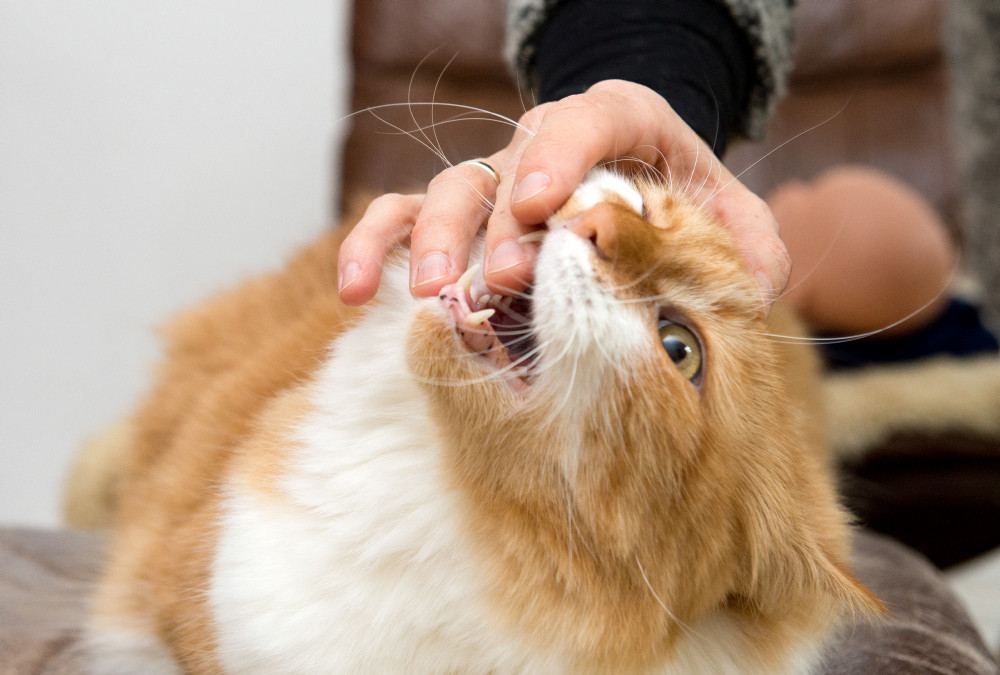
(974, 45)
(768, 25)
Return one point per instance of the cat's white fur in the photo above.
(369, 536)
(599, 183)
(359, 564)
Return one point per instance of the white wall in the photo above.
(149, 152)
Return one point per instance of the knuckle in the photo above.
(451, 176)
(578, 105)
(387, 203)
(533, 118)
(432, 222)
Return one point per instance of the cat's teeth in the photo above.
(477, 318)
(465, 281)
(484, 300)
(495, 300)
(531, 237)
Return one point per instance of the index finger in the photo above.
(610, 120)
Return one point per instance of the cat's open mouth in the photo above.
(496, 328)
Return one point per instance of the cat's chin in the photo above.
(495, 329)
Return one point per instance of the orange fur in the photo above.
(767, 541)
(214, 412)
(682, 504)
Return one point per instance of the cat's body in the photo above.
(398, 503)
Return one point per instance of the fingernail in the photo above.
(432, 267)
(505, 256)
(530, 185)
(350, 273)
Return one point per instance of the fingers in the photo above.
(440, 225)
(386, 223)
(756, 233)
(555, 145)
(507, 260)
(616, 119)
(457, 204)
(613, 119)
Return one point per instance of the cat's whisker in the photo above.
(435, 151)
(659, 175)
(354, 470)
(697, 156)
(708, 174)
(520, 93)
(437, 83)
(428, 143)
(631, 283)
(458, 117)
(673, 617)
(697, 641)
(515, 367)
(575, 534)
(483, 200)
(790, 339)
(782, 145)
(488, 114)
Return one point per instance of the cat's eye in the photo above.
(682, 346)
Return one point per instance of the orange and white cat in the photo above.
(616, 474)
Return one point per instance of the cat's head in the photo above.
(636, 469)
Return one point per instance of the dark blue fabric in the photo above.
(958, 331)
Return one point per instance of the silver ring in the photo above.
(486, 167)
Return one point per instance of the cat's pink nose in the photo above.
(597, 224)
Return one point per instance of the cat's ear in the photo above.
(850, 597)
(804, 573)
(797, 561)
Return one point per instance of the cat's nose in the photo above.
(598, 225)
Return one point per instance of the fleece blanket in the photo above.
(45, 579)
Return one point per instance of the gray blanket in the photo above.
(45, 578)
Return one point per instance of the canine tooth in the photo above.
(477, 318)
(537, 235)
(465, 281)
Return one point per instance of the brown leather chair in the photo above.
(411, 53)
(869, 87)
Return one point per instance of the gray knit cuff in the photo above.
(769, 26)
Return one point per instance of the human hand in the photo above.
(554, 145)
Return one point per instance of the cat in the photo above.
(619, 472)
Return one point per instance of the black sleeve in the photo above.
(691, 52)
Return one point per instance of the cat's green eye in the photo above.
(682, 346)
